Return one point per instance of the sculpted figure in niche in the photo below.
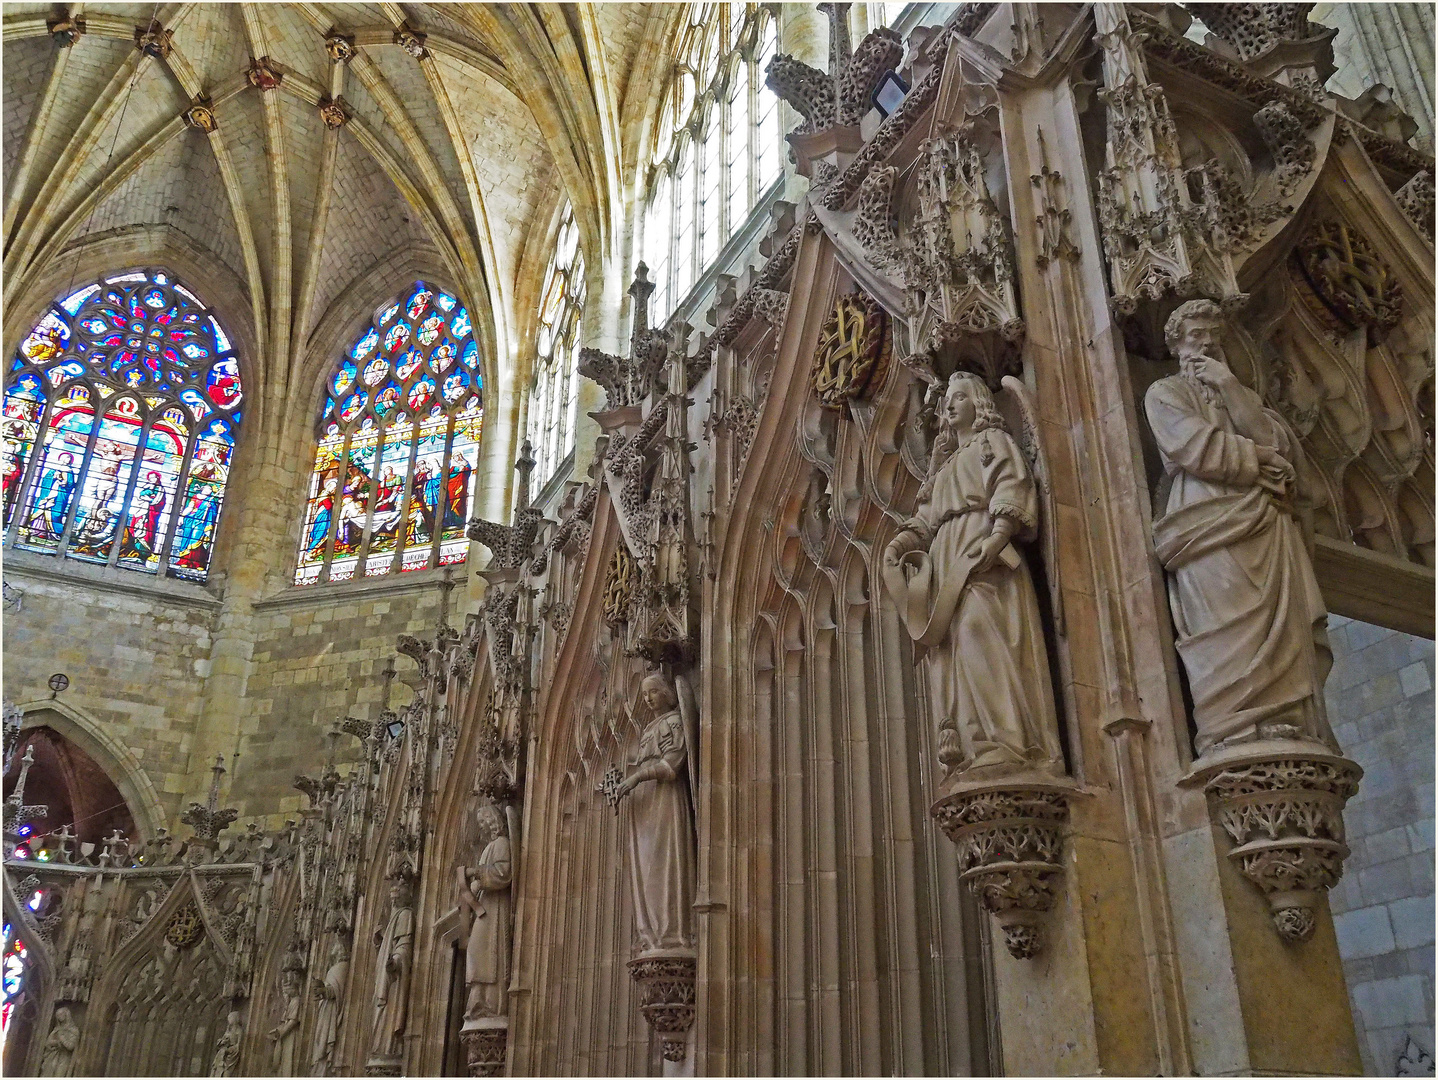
(283, 1034)
(1251, 623)
(329, 992)
(661, 818)
(392, 969)
(484, 892)
(227, 1050)
(60, 1044)
(966, 593)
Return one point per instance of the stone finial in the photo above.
(524, 466)
(210, 820)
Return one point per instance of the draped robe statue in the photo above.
(484, 891)
(227, 1049)
(1250, 620)
(392, 971)
(329, 992)
(60, 1045)
(963, 591)
(661, 834)
(283, 1034)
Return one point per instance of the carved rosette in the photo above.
(666, 998)
(486, 1044)
(854, 351)
(1284, 814)
(1010, 850)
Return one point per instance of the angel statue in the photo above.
(966, 594)
(661, 819)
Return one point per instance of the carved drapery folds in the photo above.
(1283, 809)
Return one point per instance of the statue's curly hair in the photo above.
(1192, 309)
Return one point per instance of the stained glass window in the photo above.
(717, 149)
(121, 408)
(553, 394)
(398, 450)
(13, 956)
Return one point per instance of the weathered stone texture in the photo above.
(136, 667)
(1381, 703)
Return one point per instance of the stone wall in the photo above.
(136, 657)
(1381, 703)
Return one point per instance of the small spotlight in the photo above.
(889, 94)
(395, 728)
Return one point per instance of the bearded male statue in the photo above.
(1251, 622)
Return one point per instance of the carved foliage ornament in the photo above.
(1286, 819)
(666, 998)
(1356, 286)
(1010, 851)
(854, 351)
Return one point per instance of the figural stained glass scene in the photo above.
(122, 406)
(399, 433)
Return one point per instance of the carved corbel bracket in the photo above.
(486, 1044)
(666, 997)
(1009, 835)
(1281, 802)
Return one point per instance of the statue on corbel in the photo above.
(658, 789)
(484, 894)
(966, 595)
(1250, 622)
(394, 961)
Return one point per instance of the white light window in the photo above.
(554, 392)
(717, 148)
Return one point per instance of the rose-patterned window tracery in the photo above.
(394, 473)
(121, 408)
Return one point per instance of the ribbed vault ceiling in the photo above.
(455, 164)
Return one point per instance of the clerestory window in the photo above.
(394, 473)
(554, 391)
(718, 148)
(121, 408)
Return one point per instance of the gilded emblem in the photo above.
(185, 927)
(1356, 286)
(854, 350)
(619, 586)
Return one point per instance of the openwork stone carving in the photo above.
(1354, 283)
(486, 1047)
(1253, 29)
(1152, 238)
(1415, 199)
(629, 380)
(1010, 851)
(666, 998)
(840, 97)
(1287, 140)
(185, 927)
(1285, 816)
(854, 351)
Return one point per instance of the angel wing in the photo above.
(689, 714)
(1026, 433)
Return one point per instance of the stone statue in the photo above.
(392, 971)
(283, 1034)
(484, 891)
(661, 819)
(60, 1045)
(227, 1050)
(329, 992)
(966, 593)
(1250, 620)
